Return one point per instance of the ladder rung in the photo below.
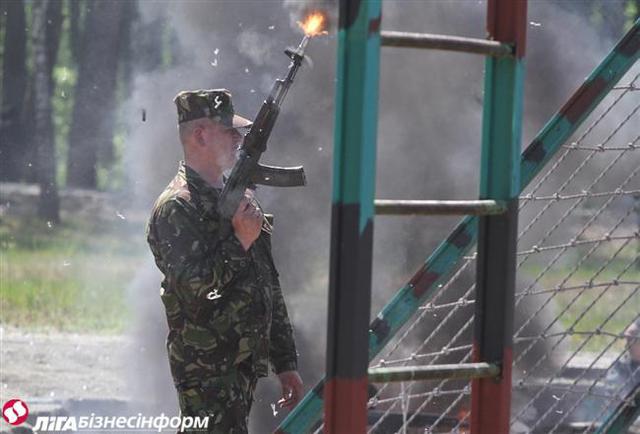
(433, 372)
(445, 42)
(439, 207)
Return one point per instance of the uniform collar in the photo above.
(205, 191)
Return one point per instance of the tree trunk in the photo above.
(14, 82)
(75, 40)
(93, 111)
(49, 208)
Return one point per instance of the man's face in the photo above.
(222, 143)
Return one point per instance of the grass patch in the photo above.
(72, 276)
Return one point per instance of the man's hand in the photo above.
(292, 390)
(247, 221)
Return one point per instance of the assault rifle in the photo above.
(247, 171)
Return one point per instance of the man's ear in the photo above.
(198, 135)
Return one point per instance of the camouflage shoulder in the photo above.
(175, 192)
(172, 204)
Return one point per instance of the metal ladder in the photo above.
(350, 282)
(352, 342)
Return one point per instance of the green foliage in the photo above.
(71, 276)
(64, 78)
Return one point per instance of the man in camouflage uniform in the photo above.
(224, 305)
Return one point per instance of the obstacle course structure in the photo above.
(575, 255)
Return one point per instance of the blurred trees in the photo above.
(92, 122)
(88, 58)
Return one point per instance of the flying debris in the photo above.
(214, 63)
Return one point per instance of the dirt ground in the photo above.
(61, 365)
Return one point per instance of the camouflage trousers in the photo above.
(226, 400)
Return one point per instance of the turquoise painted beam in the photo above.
(354, 171)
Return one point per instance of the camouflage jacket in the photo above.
(223, 305)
